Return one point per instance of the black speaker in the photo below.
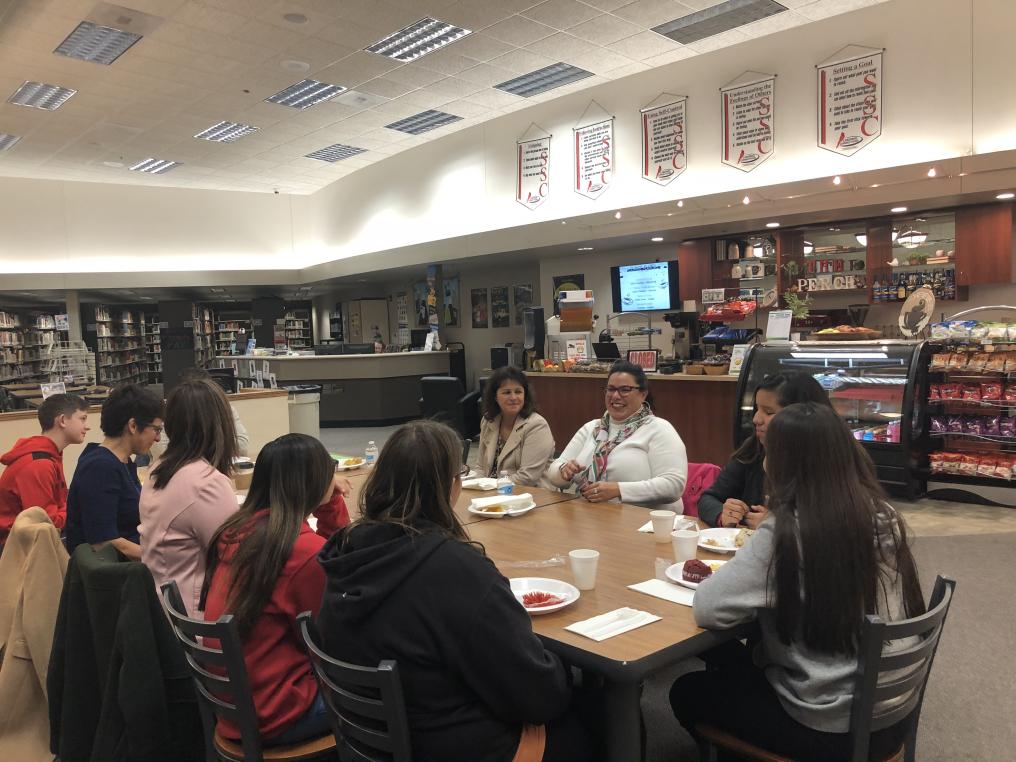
(535, 327)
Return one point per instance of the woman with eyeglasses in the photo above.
(629, 455)
(738, 494)
(102, 503)
(514, 438)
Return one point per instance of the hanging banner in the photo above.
(533, 176)
(749, 120)
(850, 100)
(594, 157)
(664, 142)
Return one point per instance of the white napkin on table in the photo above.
(679, 521)
(483, 483)
(510, 502)
(666, 590)
(612, 623)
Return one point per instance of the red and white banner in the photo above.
(749, 120)
(664, 141)
(594, 157)
(533, 172)
(850, 101)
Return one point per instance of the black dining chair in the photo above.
(220, 677)
(889, 687)
(365, 704)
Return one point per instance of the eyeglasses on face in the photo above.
(157, 429)
(463, 472)
(624, 391)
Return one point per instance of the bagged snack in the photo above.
(955, 424)
(957, 361)
(1003, 467)
(997, 331)
(1010, 362)
(977, 362)
(951, 462)
(986, 465)
(979, 330)
(996, 362)
(940, 330)
(973, 425)
(991, 391)
(960, 329)
(939, 425)
(993, 426)
(937, 462)
(951, 391)
(971, 393)
(1010, 393)
(1007, 427)
(934, 392)
(939, 361)
(969, 464)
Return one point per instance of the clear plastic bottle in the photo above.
(370, 454)
(504, 484)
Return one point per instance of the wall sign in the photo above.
(594, 157)
(749, 120)
(664, 139)
(850, 100)
(532, 184)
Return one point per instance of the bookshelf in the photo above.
(204, 336)
(120, 348)
(298, 334)
(153, 347)
(26, 342)
(231, 335)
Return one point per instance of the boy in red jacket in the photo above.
(33, 473)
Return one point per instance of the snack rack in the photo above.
(972, 409)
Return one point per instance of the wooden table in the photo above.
(627, 556)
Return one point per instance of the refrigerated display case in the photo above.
(878, 387)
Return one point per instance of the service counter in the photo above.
(701, 408)
(362, 390)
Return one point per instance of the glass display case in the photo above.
(877, 387)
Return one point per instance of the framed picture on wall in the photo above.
(420, 302)
(451, 301)
(500, 312)
(478, 303)
(567, 283)
(523, 299)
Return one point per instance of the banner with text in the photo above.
(850, 101)
(664, 142)
(533, 176)
(749, 119)
(594, 157)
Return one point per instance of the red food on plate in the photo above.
(695, 571)
(539, 599)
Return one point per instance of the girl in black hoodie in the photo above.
(405, 583)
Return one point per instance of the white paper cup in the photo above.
(685, 544)
(583, 566)
(663, 524)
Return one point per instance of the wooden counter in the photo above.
(701, 408)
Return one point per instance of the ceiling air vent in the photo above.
(719, 18)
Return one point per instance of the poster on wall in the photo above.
(850, 99)
(500, 311)
(420, 302)
(433, 275)
(400, 335)
(594, 155)
(451, 301)
(478, 303)
(748, 120)
(532, 179)
(664, 141)
(523, 295)
(567, 283)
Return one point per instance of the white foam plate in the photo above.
(344, 465)
(522, 585)
(524, 508)
(719, 540)
(674, 572)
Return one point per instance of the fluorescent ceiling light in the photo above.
(1005, 196)
(656, 238)
(839, 356)
(226, 132)
(720, 18)
(335, 152)
(772, 224)
(419, 39)
(99, 44)
(305, 94)
(911, 239)
(898, 209)
(8, 141)
(585, 248)
(425, 121)
(542, 80)
(154, 166)
(40, 95)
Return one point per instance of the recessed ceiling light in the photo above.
(670, 214)
(719, 18)
(585, 248)
(1000, 196)
(932, 172)
(772, 224)
(617, 215)
(746, 200)
(564, 222)
(226, 132)
(294, 18)
(291, 64)
(155, 166)
(39, 95)
(95, 43)
(874, 185)
(419, 39)
(8, 141)
(335, 152)
(425, 121)
(304, 94)
(680, 203)
(898, 209)
(837, 180)
(542, 80)
(656, 238)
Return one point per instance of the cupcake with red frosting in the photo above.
(695, 571)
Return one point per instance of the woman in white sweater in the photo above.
(629, 455)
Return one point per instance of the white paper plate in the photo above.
(674, 572)
(341, 465)
(522, 585)
(503, 514)
(722, 540)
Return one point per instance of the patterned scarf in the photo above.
(605, 445)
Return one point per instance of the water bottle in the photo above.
(504, 484)
(370, 454)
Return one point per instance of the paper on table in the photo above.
(666, 591)
(680, 522)
(484, 484)
(508, 501)
(612, 623)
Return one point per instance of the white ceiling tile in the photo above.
(415, 75)
(453, 87)
(522, 61)
(480, 46)
(486, 75)
(357, 68)
(606, 5)
(561, 14)
(600, 61)
(384, 87)
(466, 108)
(494, 99)
(668, 58)
(650, 13)
(208, 17)
(634, 67)
(266, 35)
(777, 23)
(424, 99)
(560, 46)
(473, 14)
(349, 34)
(604, 30)
(447, 61)
(719, 41)
(826, 8)
(519, 31)
(644, 45)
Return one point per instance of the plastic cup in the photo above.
(663, 524)
(685, 543)
(583, 566)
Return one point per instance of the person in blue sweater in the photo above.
(102, 503)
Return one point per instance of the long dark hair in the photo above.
(790, 387)
(199, 424)
(839, 546)
(291, 476)
(411, 483)
(636, 372)
(491, 409)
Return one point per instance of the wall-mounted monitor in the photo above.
(642, 288)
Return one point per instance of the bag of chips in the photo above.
(939, 361)
(957, 361)
(955, 423)
(936, 461)
(1010, 393)
(991, 391)
(973, 424)
(969, 464)
(1007, 427)
(971, 393)
(951, 391)
(993, 426)
(1004, 466)
(951, 462)
(996, 362)
(986, 465)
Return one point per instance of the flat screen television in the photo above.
(642, 288)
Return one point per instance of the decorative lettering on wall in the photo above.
(664, 139)
(850, 99)
(748, 120)
(533, 172)
(594, 158)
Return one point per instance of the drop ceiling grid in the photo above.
(192, 71)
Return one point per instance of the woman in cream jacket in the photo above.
(513, 437)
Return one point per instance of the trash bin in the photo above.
(304, 409)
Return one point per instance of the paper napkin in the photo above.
(484, 484)
(510, 502)
(612, 623)
(680, 522)
(666, 590)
